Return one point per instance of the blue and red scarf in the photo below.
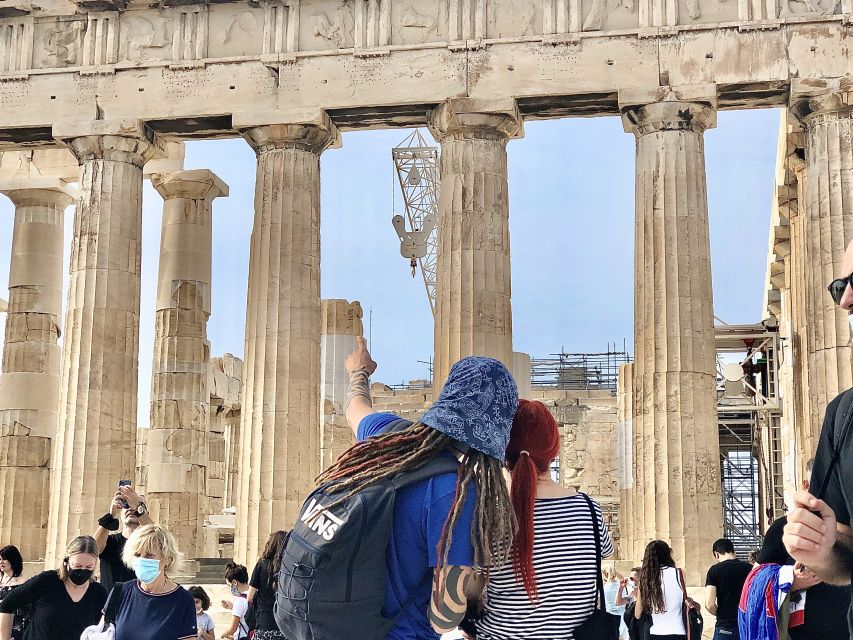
(758, 611)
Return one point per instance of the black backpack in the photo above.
(332, 579)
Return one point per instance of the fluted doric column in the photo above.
(96, 433)
(674, 369)
(625, 459)
(473, 308)
(279, 432)
(827, 118)
(341, 325)
(29, 385)
(180, 394)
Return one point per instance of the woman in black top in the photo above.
(64, 601)
(262, 586)
(11, 567)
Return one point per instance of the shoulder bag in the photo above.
(693, 622)
(107, 631)
(599, 625)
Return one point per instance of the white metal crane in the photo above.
(416, 164)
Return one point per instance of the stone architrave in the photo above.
(341, 325)
(473, 308)
(180, 395)
(96, 431)
(674, 397)
(29, 385)
(279, 439)
(826, 114)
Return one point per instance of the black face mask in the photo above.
(80, 576)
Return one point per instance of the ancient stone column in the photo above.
(473, 309)
(279, 432)
(96, 433)
(674, 368)
(827, 119)
(522, 373)
(29, 385)
(625, 459)
(341, 325)
(180, 395)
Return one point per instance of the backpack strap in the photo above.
(843, 418)
(598, 578)
(116, 596)
(399, 424)
(435, 467)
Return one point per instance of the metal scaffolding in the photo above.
(579, 371)
(748, 412)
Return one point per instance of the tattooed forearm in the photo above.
(448, 602)
(359, 387)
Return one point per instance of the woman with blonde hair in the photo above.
(64, 601)
(153, 607)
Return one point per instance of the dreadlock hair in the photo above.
(657, 556)
(381, 457)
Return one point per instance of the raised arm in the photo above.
(359, 366)
(450, 596)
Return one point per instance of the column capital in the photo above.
(668, 116)
(38, 191)
(310, 130)
(121, 140)
(464, 116)
(192, 184)
(814, 101)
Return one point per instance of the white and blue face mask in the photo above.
(850, 320)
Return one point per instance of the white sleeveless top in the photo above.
(670, 622)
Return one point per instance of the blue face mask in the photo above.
(234, 591)
(146, 569)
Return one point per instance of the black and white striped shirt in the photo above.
(565, 566)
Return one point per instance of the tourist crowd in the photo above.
(415, 532)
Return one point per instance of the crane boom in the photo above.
(416, 165)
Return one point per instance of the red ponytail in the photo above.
(533, 444)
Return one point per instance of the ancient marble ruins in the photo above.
(101, 93)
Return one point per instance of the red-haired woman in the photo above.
(550, 589)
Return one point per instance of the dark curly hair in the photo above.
(201, 594)
(238, 572)
(658, 555)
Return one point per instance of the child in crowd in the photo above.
(206, 627)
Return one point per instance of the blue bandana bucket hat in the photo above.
(476, 405)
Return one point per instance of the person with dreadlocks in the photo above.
(661, 593)
(452, 528)
(550, 588)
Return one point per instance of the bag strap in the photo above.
(679, 576)
(843, 418)
(115, 602)
(598, 578)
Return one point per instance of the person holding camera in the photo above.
(127, 513)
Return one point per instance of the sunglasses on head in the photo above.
(837, 287)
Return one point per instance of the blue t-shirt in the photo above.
(420, 511)
(150, 616)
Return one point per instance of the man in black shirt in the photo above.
(724, 584)
(818, 531)
(131, 508)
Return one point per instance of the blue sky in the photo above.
(571, 186)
